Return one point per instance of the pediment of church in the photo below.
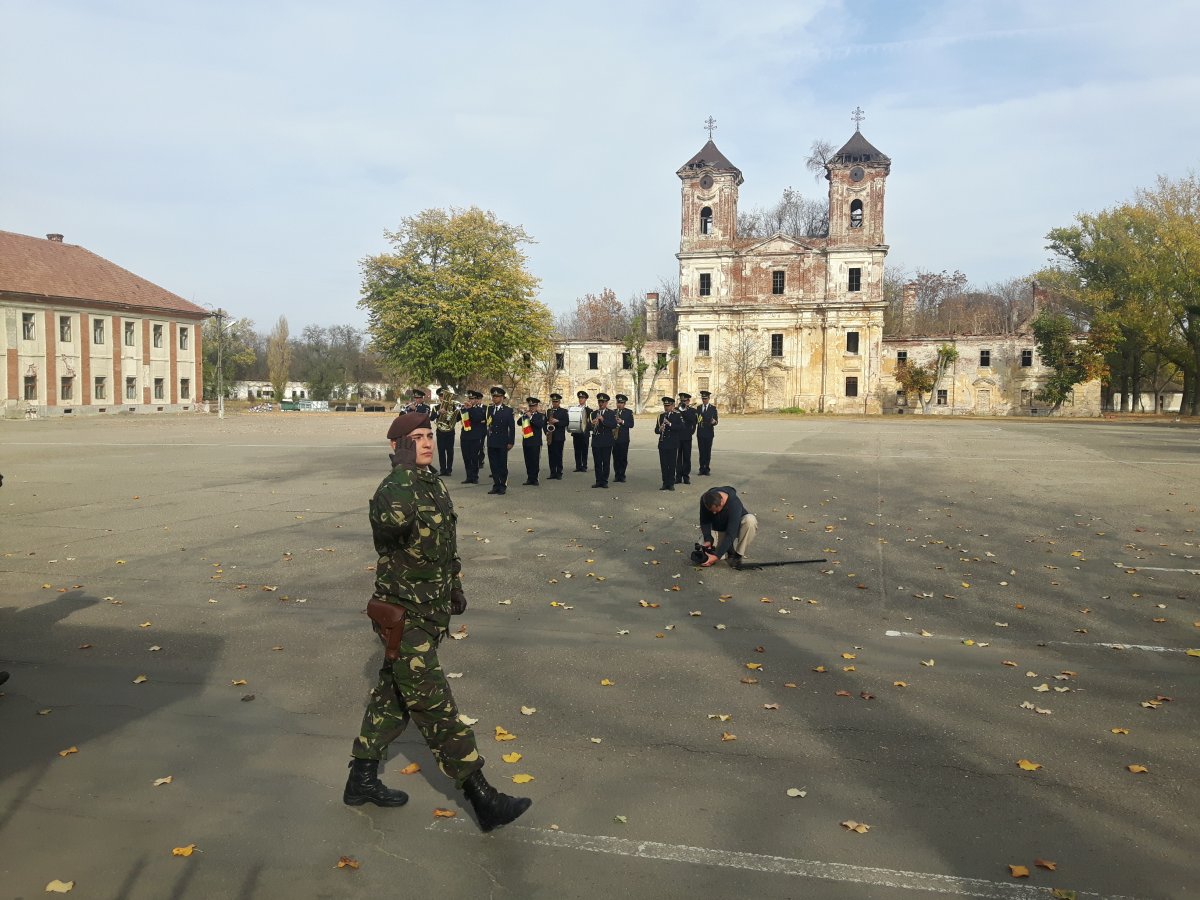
(777, 243)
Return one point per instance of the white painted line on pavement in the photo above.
(948, 637)
(1155, 569)
(756, 862)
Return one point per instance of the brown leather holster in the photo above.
(388, 619)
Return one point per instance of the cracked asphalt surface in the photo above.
(1029, 542)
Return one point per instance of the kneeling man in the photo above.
(728, 528)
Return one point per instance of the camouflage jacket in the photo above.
(414, 526)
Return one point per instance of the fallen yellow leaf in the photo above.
(755, 666)
(502, 735)
(68, 751)
(857, 827)
(927, 662)
(167, 779)
(1028, 766)
(1119, 730)
(444, 813)
(522, 779)
(411, 769)
(726, 736)
(849, 656)
(59, 887)
(238, 682)
(183, 851)
(511, 757)
(144, 625)
(818, 668)
(347, 862)
(605, 682)
(1018, 871)
(1137, 770)
(528, 710)
(1046, 864)
(140, 679)
(899, 684)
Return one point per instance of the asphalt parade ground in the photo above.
(1001, 631)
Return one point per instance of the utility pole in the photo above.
(220, 316)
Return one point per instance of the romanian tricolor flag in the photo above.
(466, 420)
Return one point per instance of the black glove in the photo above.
(458, 601)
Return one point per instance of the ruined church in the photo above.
(796, 321)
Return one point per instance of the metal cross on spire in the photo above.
(857, 116)
(711, 124)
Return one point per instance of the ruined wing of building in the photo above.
(82, 335)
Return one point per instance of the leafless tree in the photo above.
(596, 317)
(794, 214)
(745, 361)
(819, 155)
(668, 308)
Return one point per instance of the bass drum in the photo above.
(576, 425)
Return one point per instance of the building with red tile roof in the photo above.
(83, 335)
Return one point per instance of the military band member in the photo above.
(683, 462)
(557, 420)
(417, 402)
(621, 446)
(580, 438)
(605, 423)
(669, 427)
(501, 434)
(531, 426)
(706, 424)
(474, 433)
(445, 420)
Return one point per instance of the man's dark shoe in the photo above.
(687, 480)
(494, 491)
(619, 478)
(468, 481)
(3, 677)
(492, 808)
(598, 485)
(364, 786)
(526, 483)
(735, 560)
(667, 487)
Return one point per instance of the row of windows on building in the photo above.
(560, 360)
(99, 330)
(66, 388)
(942, 398)
(985, 358)
(779, 281)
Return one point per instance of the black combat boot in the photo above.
(364, 786)
(492, 808)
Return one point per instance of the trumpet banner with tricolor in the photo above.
(466, 420)
(526, 428)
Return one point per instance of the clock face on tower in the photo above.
(857, 173)
(706, 182)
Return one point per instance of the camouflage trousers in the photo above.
(414, 687)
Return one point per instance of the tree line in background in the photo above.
(453, 303)
(334, 361)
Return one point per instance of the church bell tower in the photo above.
(709, 200)
(857, 177)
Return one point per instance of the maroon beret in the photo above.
(406, 424)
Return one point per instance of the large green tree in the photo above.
(1136, 267)
(453, 299)
(1070, 358)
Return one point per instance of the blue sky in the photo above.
(248, 155)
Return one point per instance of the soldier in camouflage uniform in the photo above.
(417, 590)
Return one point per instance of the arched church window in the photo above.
(706, 220)
(856, 214)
